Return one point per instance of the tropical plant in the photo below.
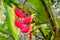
(29, 20)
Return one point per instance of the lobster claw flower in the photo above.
(18, 24)
(19, 13)
(23, 20)
(26, 20)
(25, 29)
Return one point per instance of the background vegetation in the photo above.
(46, 21)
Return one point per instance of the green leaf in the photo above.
(5, 28)
(39, 7)
(10, 22)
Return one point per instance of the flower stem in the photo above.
(30, 35)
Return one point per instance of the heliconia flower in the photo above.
(18, 24)
(23, 20)
(26, 20)
(25, 29)
(19, 13)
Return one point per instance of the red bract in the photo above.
(25, 29)
(18, 24)
(19, 13)
(26, 20)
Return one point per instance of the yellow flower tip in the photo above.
(31, 25)
(33, 15)
(13, 6)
